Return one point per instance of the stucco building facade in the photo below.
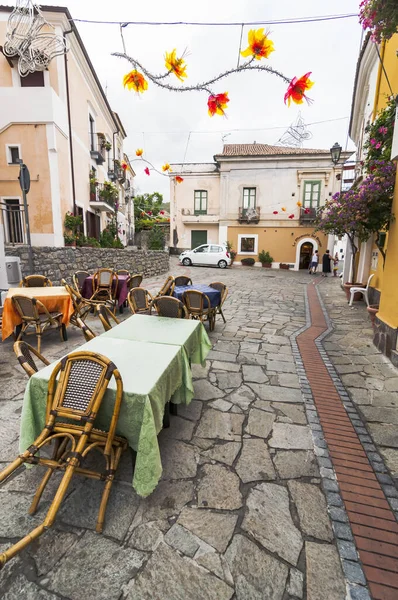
(257, 197)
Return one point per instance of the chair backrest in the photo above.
(78, 394)
(26, 307)
(139, 300)
(123, 272)
(87, 332)
(222, 288)
(79, 277)
(35, 281)
(369, 280)
(168, 287)
(166, 306)
(75, 295)
(106, 317)
(103, 278)
(182, 280)
(26, 354)
(135, 280)
(196, 302)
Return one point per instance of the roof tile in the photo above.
(266, 150)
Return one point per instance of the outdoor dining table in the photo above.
(161, 330)
(121, 292)
(152, 375)
(55, 299)
(213, 294)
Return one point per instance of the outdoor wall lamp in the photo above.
(335, 153)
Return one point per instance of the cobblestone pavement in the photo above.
(240, 511)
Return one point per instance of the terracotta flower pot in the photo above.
(267, 265)
(347, 287)
(373, 309)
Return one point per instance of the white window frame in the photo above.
(248, 235)
(8, 154)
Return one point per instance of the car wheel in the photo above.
(187, 262)
(222, 264)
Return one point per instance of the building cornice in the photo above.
(366, 63)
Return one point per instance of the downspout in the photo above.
(72, 164)
(378, 83)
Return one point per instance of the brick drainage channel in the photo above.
(360, 493)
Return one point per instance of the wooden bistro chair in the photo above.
(222, 288)
(87, 332)
(34, 314)
(199, 307)
(107, 317)
(123, 272)
(140, 300)
(182, 280)
(168, 287)
(81, 306)
(135, 280)
(166, 306)
(26, 356)
(79, 277)
(35, 281)
(105, 283)
(77, 396)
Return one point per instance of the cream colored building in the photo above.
(60, 123)
(247, 196)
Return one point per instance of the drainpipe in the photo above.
(72, 164)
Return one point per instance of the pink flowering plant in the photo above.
(380, 17)
(379, 135)
(363, 210)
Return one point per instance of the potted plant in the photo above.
(284, 266)
(373, 309)
(265, 259)
(232, 252)
(70, 240)
(107, 145)
(248, 262)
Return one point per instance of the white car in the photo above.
(207, 254)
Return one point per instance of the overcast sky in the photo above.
(160, 121)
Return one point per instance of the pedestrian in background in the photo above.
(314, 263)
(335, 264)
(326, 264)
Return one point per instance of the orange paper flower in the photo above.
(135, 81)
(283, 208)
(299, 203)
(175, 65)
(139, 152)
(179, 179)
(166, 167)
(259, 44)
(297, 88)
(217, 103)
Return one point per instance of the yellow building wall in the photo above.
(5, 71)
(280, 242)
(33, 140)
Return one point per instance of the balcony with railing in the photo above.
(307, 215)
(13, 222)
(249, 215)
(99, 200)
(98, 150)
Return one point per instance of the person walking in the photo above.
(314, 263)
(335, 264)
(326, 264)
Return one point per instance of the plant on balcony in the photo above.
(109, 193)
(107, 146)
(248, 262)
(380, 17)
(265, 259)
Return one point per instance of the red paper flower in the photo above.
(124, 166)
(217, 103)
(275, 212)
(161, 212)
(179, 179)
(307, 211)
(147, 171)
(291, 217)
(297, 88)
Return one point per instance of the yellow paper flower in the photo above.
(299, 203)
(283, 208)
(139, 152)
(175, 64)
(259, 44)
(166, 167)
(135, 81)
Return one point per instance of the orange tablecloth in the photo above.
(53, 298)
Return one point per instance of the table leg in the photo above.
(166, 416)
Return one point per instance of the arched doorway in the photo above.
(306, 252)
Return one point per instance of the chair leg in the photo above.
(351, 299)
(107, 490)
(222, 314)
(59, 448)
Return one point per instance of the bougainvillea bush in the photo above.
(379, 134)
(380, 17)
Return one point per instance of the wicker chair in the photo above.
(222, 288)
(105, 283)
(139, 300)
(135, 280)
(35, 281)
(167, 288)
(182, 280)
(199, 307)
(34, 314)
(87, 332)
(26, 355)
(83, 380)
(123, 272)
(107, 317)
(167, 306)
(79, 277)
(81, 306)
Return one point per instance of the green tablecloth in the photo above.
(161, 330)
(152, 375)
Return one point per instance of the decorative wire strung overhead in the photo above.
(24, 39)
(295, 135)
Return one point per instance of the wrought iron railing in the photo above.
(96, 195)
(249, 215)
(307, 215)
(13, 223)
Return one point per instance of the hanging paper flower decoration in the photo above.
(175, 65)
(259, 44)
(161, 212)
(297, 88)
(142, 214)
(216, 104)
(147, 171)
(139, 152)
(299, 203)
(135, 81)
(124, 166)
(166, 167)
(149, 213)
(291, 217)
(307, 211)
(283, 208)
(179, 179)
(275, 212)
